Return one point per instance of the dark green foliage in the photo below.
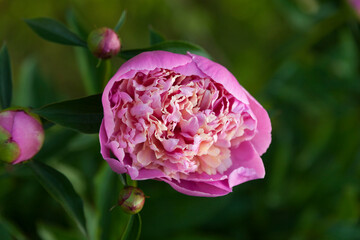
(170, 46)
(5, 78)
(62, 190)
(300, 59)
(83, 114)
(54, 31)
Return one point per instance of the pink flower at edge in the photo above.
(184, 120)
(22, 135)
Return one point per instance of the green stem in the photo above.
(107, 73)
(127, 228)
(122, 180)
(140, 226)
(130, 182)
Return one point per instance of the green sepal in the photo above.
(9, 151)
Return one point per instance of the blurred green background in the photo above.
(299, 58)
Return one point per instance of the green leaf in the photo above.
(120, 22)
(181, 47)
(5, 78)
(83, 114)
(155, 37)
(60, 188)
(54, 31)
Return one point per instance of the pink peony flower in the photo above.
(21, 136)
(184, 120)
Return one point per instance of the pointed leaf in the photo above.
(60, 188)
(181, 47)
(54, 31)
(120, 22)
(5, 78)
(83, 114)
(155, 37)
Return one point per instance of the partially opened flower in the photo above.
(21, 135)
(184, 120)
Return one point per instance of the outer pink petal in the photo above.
(28, 133)
(7, 120)
(221, 75)
(119, 164)
(200, 189)
(115, 164)
(247, 165)
(262, 139)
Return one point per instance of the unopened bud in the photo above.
(131, 199)
(104, 43)
(21, 135)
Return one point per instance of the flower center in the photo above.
(178, 124)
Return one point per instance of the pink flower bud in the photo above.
(21, 135)
(355, 4)
(104, 43)
(131, 199)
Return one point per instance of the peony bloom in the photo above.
(184, 120)
(104, 43)
(21, 136)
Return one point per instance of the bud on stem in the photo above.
(104, 43)
(131, 199)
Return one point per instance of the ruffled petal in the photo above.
(115, 164)
(145, 61)
(221, 75)
(247, 165)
